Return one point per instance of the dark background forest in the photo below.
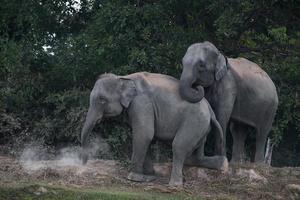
(51, 53)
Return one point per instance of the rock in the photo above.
(295, 188)
(250, 174)
(225, 165)
(40, 191)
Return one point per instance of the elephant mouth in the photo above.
(196, 86)
(200, 83)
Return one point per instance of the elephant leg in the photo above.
(140, 146)
(185, 142)
(223, 116)
(222, 102)
(212, 162)
(261, 138)
(239, 135)
(262, 134)
(200, 150)
(196, 155)
(148, 164)
(143, 133)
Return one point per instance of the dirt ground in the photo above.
(246, 181)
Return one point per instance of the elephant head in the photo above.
(110, 95)
(203, 64)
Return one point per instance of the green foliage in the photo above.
(63, 117)
(51, 53)
(142, 38)
(9, 125)
(118, 137)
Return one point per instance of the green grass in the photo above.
(33, 192)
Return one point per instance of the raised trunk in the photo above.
(92, 117)
(186, 89)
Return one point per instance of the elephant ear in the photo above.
(128, 91)
(221, 67)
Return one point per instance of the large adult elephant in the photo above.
(156, 111)
(239, 91)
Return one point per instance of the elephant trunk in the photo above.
(187, 90)
(92, 117)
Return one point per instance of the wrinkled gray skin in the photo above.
(239, 91)
(156, 111)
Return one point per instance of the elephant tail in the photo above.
(217, 130)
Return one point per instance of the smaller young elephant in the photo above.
(156, 111)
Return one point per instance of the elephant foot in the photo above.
(140, 177)
(211, 162)
(176, 181)
(175, 184)
(224, 165)
(217, 162)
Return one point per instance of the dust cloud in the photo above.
(35, 157)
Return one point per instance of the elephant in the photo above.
(239, 91)
(155, 111)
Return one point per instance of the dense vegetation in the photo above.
(52, 51)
